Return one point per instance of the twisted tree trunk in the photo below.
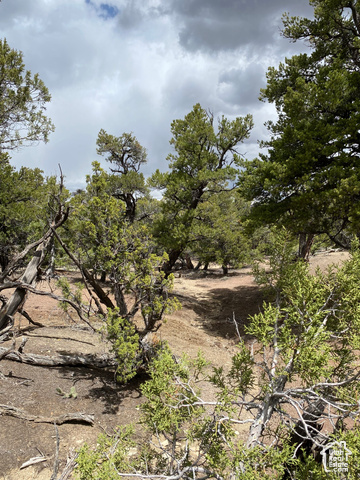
(30, 275)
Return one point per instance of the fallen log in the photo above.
(66, 418)
(87, 361)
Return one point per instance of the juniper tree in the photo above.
(294, 388)
(126, 156)
(23, 98)
(206, 158)
(99, 238)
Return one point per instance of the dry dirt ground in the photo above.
(209, 302)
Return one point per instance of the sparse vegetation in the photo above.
(295, 386)
(292, 388)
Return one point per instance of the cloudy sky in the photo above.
(136, 65)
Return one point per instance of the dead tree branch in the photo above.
(70, 465)
(31, 272)
(66, 418)
(30, 288)
(88, 278)
(87, 361)
(56, 461)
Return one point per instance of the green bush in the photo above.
(300, 371)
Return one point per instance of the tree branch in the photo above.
(66, 418)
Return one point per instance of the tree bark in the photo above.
(50, 271)
(305, 244)
(188, 261)
(269, 404)
(29, 277)
(130, 204)
(264, 415)
(31, 272)
(169, 265)
(225, 269)
(70, 466)
(87, 361)
(66, 418)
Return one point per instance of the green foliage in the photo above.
(125, 152)
(72, 393)
(127, 156)
(178, 429)
(24, 207)
(184, 435)
(309, 312)
(162, 393)
(204, 163)
(96, 223)
(110, 456)
(22, 102)
(309, 179)
(321, 242)
(352, 439)
(305, 354)
(241, 374)
(332, 32)
(105, 242)
(281, 257)
(68, 293)
(217, 233)
(125, 344)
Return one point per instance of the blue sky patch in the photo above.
(105, 10)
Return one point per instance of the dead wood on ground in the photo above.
(66, 418)
(87, 361)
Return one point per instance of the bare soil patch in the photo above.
(209, 302)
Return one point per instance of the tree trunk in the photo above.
(169, 265)
(120, 300)
(225, 269)
(4, 259)
(188, 261)
(29, 277)
(130, 207)
(264, 415)
(305, 244)
(50, 271)
(269, 404)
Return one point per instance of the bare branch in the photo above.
(66, 418)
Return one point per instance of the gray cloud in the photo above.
(241, 87)
(134, 66)
(211, 26)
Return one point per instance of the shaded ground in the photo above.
(209, 300)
